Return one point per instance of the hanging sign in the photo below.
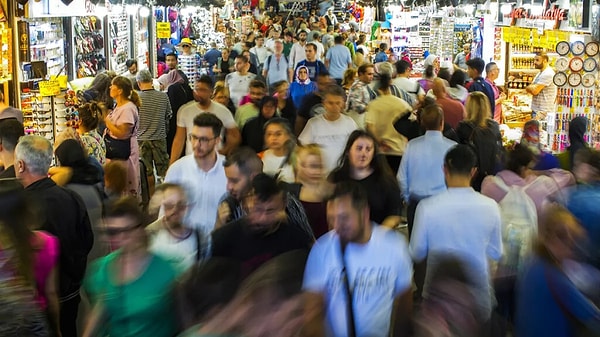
(163, 30)
(49, 88)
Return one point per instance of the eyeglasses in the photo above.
(117, 231)
(203, 140)
(177, 206)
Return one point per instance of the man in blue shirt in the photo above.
(315, 67)
(338, 59)
(212, 57)
(475, 68)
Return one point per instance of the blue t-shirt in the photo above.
(339, 57)
(314, 68)
(381, 57)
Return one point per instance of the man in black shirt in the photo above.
(264, 232)
(62, 213)
(10, 132)
(475, 68)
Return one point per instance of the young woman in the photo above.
(130, 289)
(285, 104)
(280, 143)
(221, 95)
(349, 78)
(362, 162)
(90, 115)
(253, 131)
(122, 124)
(432, 66)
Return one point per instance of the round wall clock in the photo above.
(590, 64)
(588, 80)
(576, 64)
(577, 48)
(560, 79)
(563, 48)
(562, 64)
(574, 79)
(592, 48)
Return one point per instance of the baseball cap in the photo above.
(11, 112)
(186, 42)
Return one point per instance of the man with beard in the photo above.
(542, 88)
(203, 89)
(256, 91)
(201, 173)
(347, 281)
(264, 232)
(297, 53)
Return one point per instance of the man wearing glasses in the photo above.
(203, 89)
(189, 61)
(201, 173)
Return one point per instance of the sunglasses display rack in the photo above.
(48, 116)
(118, 41)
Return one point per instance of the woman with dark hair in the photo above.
(90, 114)
(531, 139)
(99, 90)
(285, 104)
(121, 125)
(380, 116)
(457, 88)
(432, 66)
(279, 142)
(131, 289)
(577, 129)
(179, 94)
(362, 162)
(253, 131)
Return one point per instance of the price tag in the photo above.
(49, 88)
(163, 30)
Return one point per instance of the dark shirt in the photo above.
(62, 213)
(237, 241)
(179, 94)
(253, 133)
(212, 56)
(7, 173)
(312, 105)
(289, 112)
(314, 68)
(480, 84)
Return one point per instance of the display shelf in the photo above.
(118, 42)
(6, 59)
(47, 44)
(89, 46)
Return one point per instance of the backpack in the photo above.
(487, 148)
(519, 226)
(268, 63)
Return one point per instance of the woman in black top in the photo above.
(362, 162)
(285, 104)
(253, 131)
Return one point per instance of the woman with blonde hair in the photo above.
(483, 133)
(121, 128)
(221, 95)
(349, 78)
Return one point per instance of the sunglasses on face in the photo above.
(117, 231)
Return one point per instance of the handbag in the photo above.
(117, 148)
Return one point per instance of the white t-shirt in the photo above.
(378, 272)
(411, 87)
(261, 53)
(181, 253)
(189, 111)
(238, 86)
(272, 166)
(330, 135)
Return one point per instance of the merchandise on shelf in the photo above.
(89, 46)
(46, 46)
(118, 44)
(47, 116)
(6, 55)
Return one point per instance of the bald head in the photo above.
(439, 88)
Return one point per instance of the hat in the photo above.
(185, 41)
(11, 112)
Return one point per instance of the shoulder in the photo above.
(179, 166)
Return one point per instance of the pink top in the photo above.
(46, 249)
(540, 187)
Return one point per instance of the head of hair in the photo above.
(257, 84)
(478, 108)
(144, 76)
(208, 120)
(429, 71)
(205, 79)
(172, 55)
(385, 81)
(131, 62)
(364, 67)
(432, 117)
(383, 47)
(402, 66)
(99, 89)
(460, 160)
(279, 84)
(125, 207)
(444, 74)
(90, 114)
(36, 152)
(543, 55)
(338, 39)
(246, 160)
(349, 76)
(590, 157)
(10, 132)
(267, 100)
(458, 77)
(125, 84)
(265, 187)
(334, 90)
(352, 189)
(476, 63)
(242, 58)
(519, 157)
(489, 66)
(220, 88)
(115, 177)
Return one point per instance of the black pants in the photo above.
(68, 316)
(394, 162)
(410, 214)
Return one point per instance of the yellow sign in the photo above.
(49, 88)
(163, 30)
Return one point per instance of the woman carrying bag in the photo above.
(121, 128)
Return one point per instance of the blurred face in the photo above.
(282, 91)
(171, 62)
(466, 49)
(220, 97)
(493, 73)
(186, 48)
(115, 91)
(309, 167)
(367, 76)
(124, 233)
(349, 223)
(240, 65)
(175, 206)
(323, 81)
(256, 94)
(333, 104)
(268, 110)
(260, 41)
(302, 74)
(311, 54)
(202, 93)
(361, 153)
(472, 72)
(225, 54)
(203, 142)
(278, 47)
(302, 36)
(238, 184)
(538, 62)
(133, 69)
(276, 136)
(265, 216)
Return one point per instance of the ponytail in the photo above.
(135, 98)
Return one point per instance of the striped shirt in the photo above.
(155, 114)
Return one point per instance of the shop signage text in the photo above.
(553, 13)
(49, 88)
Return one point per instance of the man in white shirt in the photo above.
(238, 82)
(542, 89)
(201, 173)
(203, 89)
(261, 52)
(320, 48)
(331, 129)
(297, 53)
(358, 269)
(403, 81)
(460, 223)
